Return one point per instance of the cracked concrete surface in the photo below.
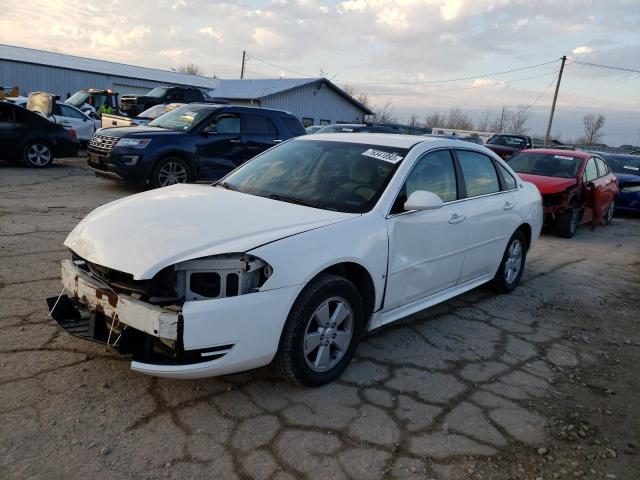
(447, 393)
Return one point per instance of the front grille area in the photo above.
(102, 144)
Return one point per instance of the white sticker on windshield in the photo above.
(628, 167)
(380, 155)
(347, 129)
(562, 157)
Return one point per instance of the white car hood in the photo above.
(144, 233)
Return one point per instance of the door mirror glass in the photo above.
(423, 200)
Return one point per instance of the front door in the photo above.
(220, 148)
(426, 248)
(69, 117)
(490, 212)
(606, 185)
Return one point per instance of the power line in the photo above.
(610, 67)
(425, 82)
(438, 92)
(541, 95)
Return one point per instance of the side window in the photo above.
(603, 169)
(192, 95)
(258, 125)
(174, 95)
(509, 181)
(293, 124)
(70, 112)
(225, 123)
(590, 171)
(480, 175)
(434, 173)
(6, 114)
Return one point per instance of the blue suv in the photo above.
(195, 142)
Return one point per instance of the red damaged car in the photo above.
(576, 187)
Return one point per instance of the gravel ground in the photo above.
(538, 384)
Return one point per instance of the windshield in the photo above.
(182, 119)
(507, 141)
(624, 163)
(562, 166)
(157, 92)
(340, 129)
(347, 177)
(78, 99)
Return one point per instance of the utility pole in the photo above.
(553, 105)
(501, 120)
(244, 60)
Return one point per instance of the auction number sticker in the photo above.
(380, 155)
(562, 157)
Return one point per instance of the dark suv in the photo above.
(194, 142)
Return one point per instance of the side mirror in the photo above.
(423, 200)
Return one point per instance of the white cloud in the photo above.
(209, 31)
(584, 50)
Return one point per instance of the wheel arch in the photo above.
(191, 164)
(525, 228)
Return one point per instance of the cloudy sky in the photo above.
(392, 50)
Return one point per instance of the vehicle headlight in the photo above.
(133, 142)
(221, 276)
(630, 188)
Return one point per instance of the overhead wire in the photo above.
(609, 67)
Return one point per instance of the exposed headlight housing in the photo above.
(133, 142)
(220, 276)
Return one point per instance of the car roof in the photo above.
(557, 151)
(381, 139)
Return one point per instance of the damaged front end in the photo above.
(144, 318)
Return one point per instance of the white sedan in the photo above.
(292, 256)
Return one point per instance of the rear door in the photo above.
(607, 183)
(259, 133)
(490, 213)
(219, 146)
(11, 131)
(592, 189)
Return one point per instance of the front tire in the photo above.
(512, 265)
(170, 171)
(321, 333)
(568, 221)
(37, 154)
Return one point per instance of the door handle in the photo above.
(234, 140)
(455, 218)
(507, 206)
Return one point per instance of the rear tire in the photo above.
(568, 221)
(37, 154)
(170, 171)
(609, 215)
(512, 265)
(321, 333)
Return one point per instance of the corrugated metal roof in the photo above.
(248, 89)
(60, 60)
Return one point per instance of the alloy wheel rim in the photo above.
(328, 334)
(171, 173)
(39, 155)
(514, 261)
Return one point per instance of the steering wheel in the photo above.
(355, 190)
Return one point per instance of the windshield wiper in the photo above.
(226, 185)
(297, 201)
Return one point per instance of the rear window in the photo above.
(479, 174)
(293, 125)
(258, 124)
(546, 165)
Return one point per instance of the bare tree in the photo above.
(435, 119)
(189, 69)
(384, 113)
(459, 120)
(515, 120)
(484, 122)
(414, 121)
(592, 128)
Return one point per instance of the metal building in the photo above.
(314, 101)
